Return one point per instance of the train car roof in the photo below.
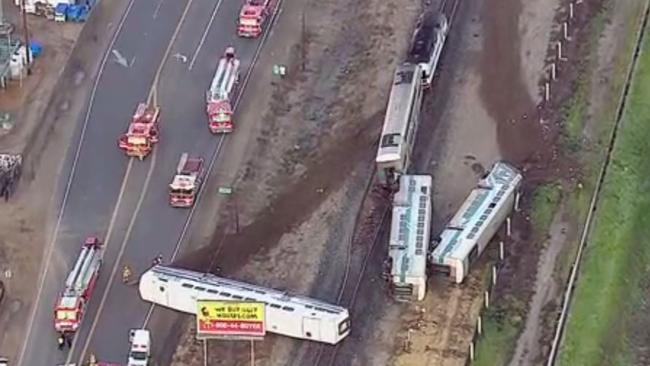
(399, 102)
(410, 227)
(215, 285)
(473, 217)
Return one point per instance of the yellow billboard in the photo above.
(230, 319)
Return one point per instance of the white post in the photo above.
(508, 227)
(479, 326)
(571, 11)
(559, 50)
(502, 250)
(518, 194)
(487, 299)
(565, 29)
(471, 351)
(553, 71)
(494, 275)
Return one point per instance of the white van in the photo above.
(140, 351)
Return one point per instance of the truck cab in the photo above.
(140, 351)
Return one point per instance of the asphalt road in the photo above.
(133, 214)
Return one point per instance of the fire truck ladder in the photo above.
(181, 164)
(225, 78)
(82, 273)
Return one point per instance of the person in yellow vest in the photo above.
(126, 274)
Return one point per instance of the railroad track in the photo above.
(369, 232)
(449, 8)
(368, 224)
(570, 285)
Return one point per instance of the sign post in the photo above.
(234, 320)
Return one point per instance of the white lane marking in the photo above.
(217, 150)
(205, 34)
(108, 236)
(117, 262)
(151, 98)
(157, 10)
(66, 194)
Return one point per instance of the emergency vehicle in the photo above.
(79, 285)
(253, 15)
(143, 132)
(220, 95)
(140, 351)
(187, 181)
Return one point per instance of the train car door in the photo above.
(311, 328)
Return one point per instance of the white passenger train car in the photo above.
(427, 44)
(476, 222)
(400, 124)
(289, 315)
(409, 237)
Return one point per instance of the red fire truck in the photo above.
(219, 96)
(79, 285)
(187, 181)
(253, 15)
(143, 131)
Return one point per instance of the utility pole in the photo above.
(28, 57)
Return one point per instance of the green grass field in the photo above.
(617, 254)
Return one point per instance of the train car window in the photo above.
(187, 285)
(213, 291)
(225, 294)
(199, 288)
(163, 280)
(275, 306)
(249, 299)
(390, 140)
(287, 308)
(237, 297)
(344, 326)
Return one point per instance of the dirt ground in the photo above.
(482, 116)
(299, 191)
(564, 228)
(23, 223)
(44, 122)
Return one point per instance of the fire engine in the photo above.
(252, 16)
(186, 182)
(79, 286)
(220, 94)
(142, 133)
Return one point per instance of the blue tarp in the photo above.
(36, 48)
(61, 8)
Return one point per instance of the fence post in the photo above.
(502, 250)
(487, 299)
